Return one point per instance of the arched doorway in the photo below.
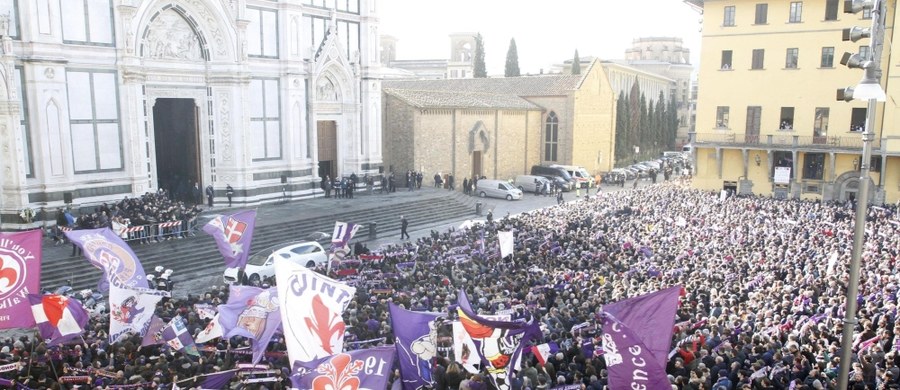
(846, 187)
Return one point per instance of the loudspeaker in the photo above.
(67, 197)
(283, 179)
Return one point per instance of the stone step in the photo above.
(197, 255)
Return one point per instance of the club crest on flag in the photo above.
(20, 274)
(356, 370)
(110, 255)
(254, 317)
(234, 230)
(233, 235)
(127, 311)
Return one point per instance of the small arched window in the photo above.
(551, 137)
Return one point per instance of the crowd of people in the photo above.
(764, 283)
(148, 210)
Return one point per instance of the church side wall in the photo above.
(398, 128)
(433, 143)
(594, 124)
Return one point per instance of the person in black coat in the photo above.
(403, 225)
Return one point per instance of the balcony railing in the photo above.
(777, 140)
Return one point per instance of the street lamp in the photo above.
(869, 88)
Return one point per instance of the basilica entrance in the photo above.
(177, 147)
(326, 132)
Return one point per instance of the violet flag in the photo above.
(58, 318)
(340, 239)
(106, 251)
(499, 343)
(637, 333)
(233, 234)
(415, 335)
(360, 369)
(218, 380)
(154, 332)
(20, 275)
(253, 313)
(178, 338)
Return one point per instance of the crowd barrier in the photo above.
(153, 232)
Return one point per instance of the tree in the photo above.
(576, 64)
(512, 60)
(621, 152)
(480, 70)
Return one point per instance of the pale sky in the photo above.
(546, 32)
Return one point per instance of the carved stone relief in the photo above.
(218, 38)
(326, 91)
(171, 37)
(225, 125)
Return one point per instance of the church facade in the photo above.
(104, 99)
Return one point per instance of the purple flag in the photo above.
(178, 338)
(253, 313)
(58, 318)
(20, 275)
(651, 317)
(154, 332)
(637, 334)
(233, 234)
(493, 340)
(106, 251)
(361, 369)
(415, 337)
(218, 380)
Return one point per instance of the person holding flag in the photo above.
(234, 235)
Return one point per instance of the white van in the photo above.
(527, 183)
(581, 175)
(497, 189)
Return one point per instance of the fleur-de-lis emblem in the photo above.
(325, 324)
(340, 373)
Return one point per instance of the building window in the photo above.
(729, 16)
(858, 120)
(820, 124)
(726, 59)
(11, 8)
(551, 137)
(864, 53)
(874, 164)
(453, 74)
(814, 166)
(762, 13)
(796, 12)
(759, 56)
(754, 116)
(265, 119)
(831, 9)
(867, 13)
(790, 59)
(87, 22)
(262, 33)
(722, 117)
(827, 58)
(787, 119)
(782, 159)
(94, 120)
(23, 122)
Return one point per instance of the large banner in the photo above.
(58, 318)
(498, 343)
(312, 307)
(637, 334)
(106, 251)
(367, 369)
(130, 310)
(20, 275)
(253, 313)
(464, 347)
(415, 336)
(233, 234)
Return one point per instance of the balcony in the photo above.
(777, 141)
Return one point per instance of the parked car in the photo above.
(497, 189)
(261, 265)
(581, 175)
(549, 172)
(527, 183)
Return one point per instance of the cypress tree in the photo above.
(576, 64)
(512, 60)
(479, 71)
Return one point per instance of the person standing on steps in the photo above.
(403, 225)
(229, 192)
(209, 195)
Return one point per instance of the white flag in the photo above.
(130, 310)
(507, 243)
(312, 307)
(832, 262)
(212, 330)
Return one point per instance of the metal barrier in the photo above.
(153, 232)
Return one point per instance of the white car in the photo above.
(261, 265)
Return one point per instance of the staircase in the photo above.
(197, 256)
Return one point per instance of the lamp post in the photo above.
(868, 89)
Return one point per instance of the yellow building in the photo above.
(768, 121)
(500, 127)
